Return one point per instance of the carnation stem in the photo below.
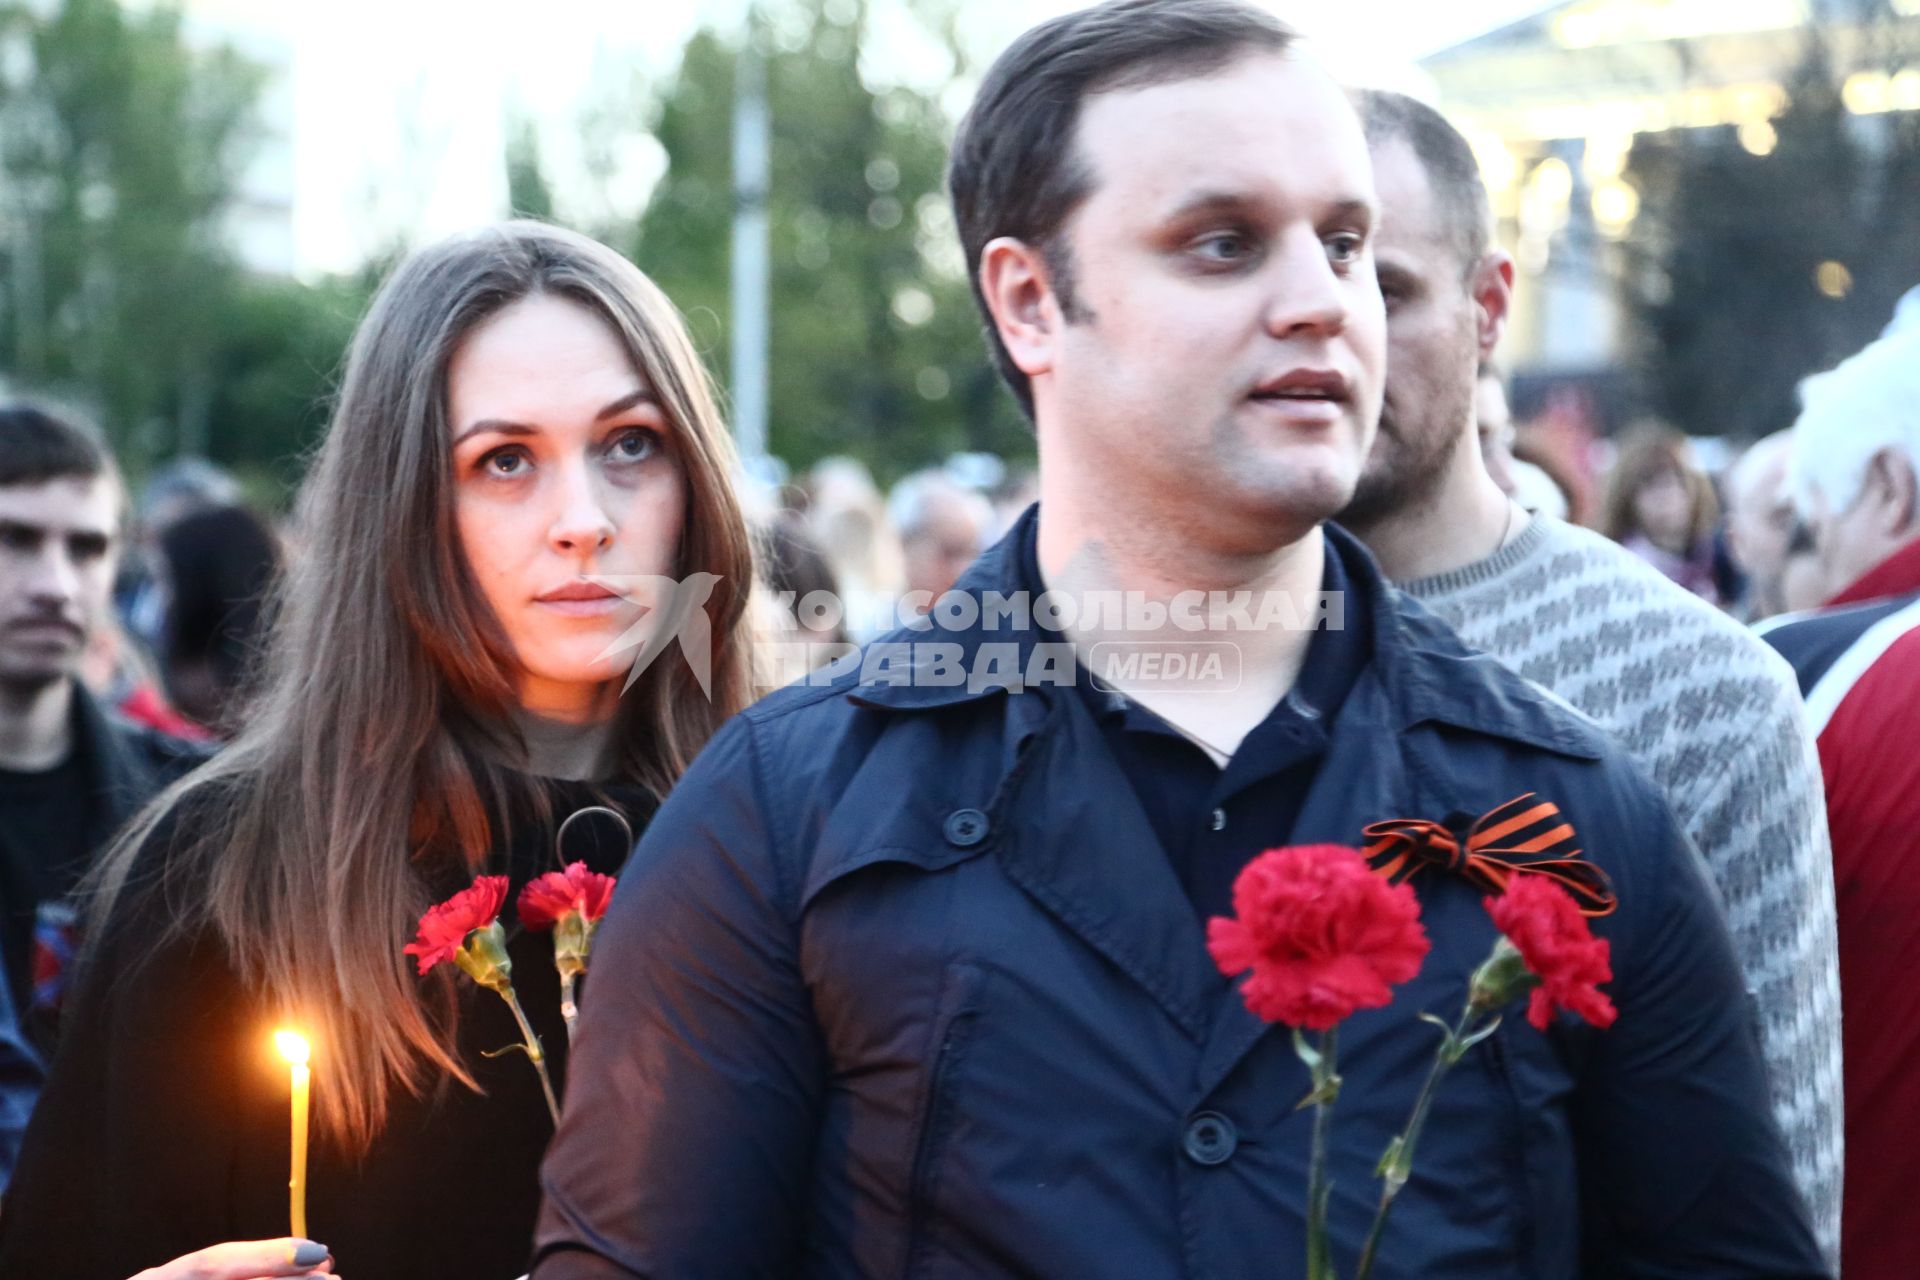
(534, 1052)
(1319, 1185)
(568, 1009)
(1397, 1164)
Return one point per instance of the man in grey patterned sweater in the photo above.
(1710, 712)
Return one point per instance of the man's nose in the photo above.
(582, 522)
(1308, 295)
(53, 579)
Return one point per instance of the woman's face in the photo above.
(565, 468)
(1663, 508)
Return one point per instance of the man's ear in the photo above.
(1892, 473)
(1492, 289)
(1019, 292)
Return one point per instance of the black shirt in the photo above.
(1213, 820)
(164, 1124)
(44, 851)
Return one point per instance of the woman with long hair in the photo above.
(523, 425)
(1661, 507)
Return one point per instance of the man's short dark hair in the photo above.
(1451, 168)
(38, 446)
(1014, 169)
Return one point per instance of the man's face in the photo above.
(1433, 342)
(945, 544)
(57, 554)
(1759, 522)
(1493, 421)
(1228, 353)
(1878, 522)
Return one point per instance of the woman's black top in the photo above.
(165, 1127)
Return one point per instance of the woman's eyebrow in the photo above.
(498, 425)
(638, 396)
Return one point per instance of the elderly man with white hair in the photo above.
(1855, 474)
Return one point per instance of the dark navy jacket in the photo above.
(900, 983)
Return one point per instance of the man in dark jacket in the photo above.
(70, 772)
(909, 975)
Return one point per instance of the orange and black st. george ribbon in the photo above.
(1524, 836)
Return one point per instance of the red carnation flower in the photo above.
(1322, 934)
(444, 928)
(1553, 938)
(545, 900)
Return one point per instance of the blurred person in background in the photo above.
(120, 673)
(1521, 478)
(218, 564)
(1661, 507)
(1493, 419)
(1540, 480)
(177, 489)
(942, 526)
(1855, 475)
(71, 771)
(1672, 678)
(1803, 585)
(1017, 490)
(848, 517)
(800, 582)
(1759, 523)
(795, 565)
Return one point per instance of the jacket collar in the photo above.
(1427, 673)
(118, 777)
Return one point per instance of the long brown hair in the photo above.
(378, 740)
(1647, 451)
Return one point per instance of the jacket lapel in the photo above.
(119, 779)
(1082, 847)
(1364, 776)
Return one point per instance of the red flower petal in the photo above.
(552, 895)
(445, 926)
(1546, 927)
(1322, 934)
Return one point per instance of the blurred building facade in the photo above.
(1553, 103)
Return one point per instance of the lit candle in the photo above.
(293, 1047)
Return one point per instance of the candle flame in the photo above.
(292, 1046)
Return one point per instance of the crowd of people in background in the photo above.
(200, 559)
(1748, 636)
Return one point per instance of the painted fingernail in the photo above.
(308, 1254)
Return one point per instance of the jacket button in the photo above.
(966, 828)
(1210, 1139)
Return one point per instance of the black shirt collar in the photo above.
(1335, 657)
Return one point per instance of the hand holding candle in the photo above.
(293, 1047)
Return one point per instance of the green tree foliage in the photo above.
(528, 194)
(1725, 267)
(279, 351)
(876, 346)
(121, 149)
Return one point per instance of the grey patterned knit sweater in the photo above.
(1715, 717)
